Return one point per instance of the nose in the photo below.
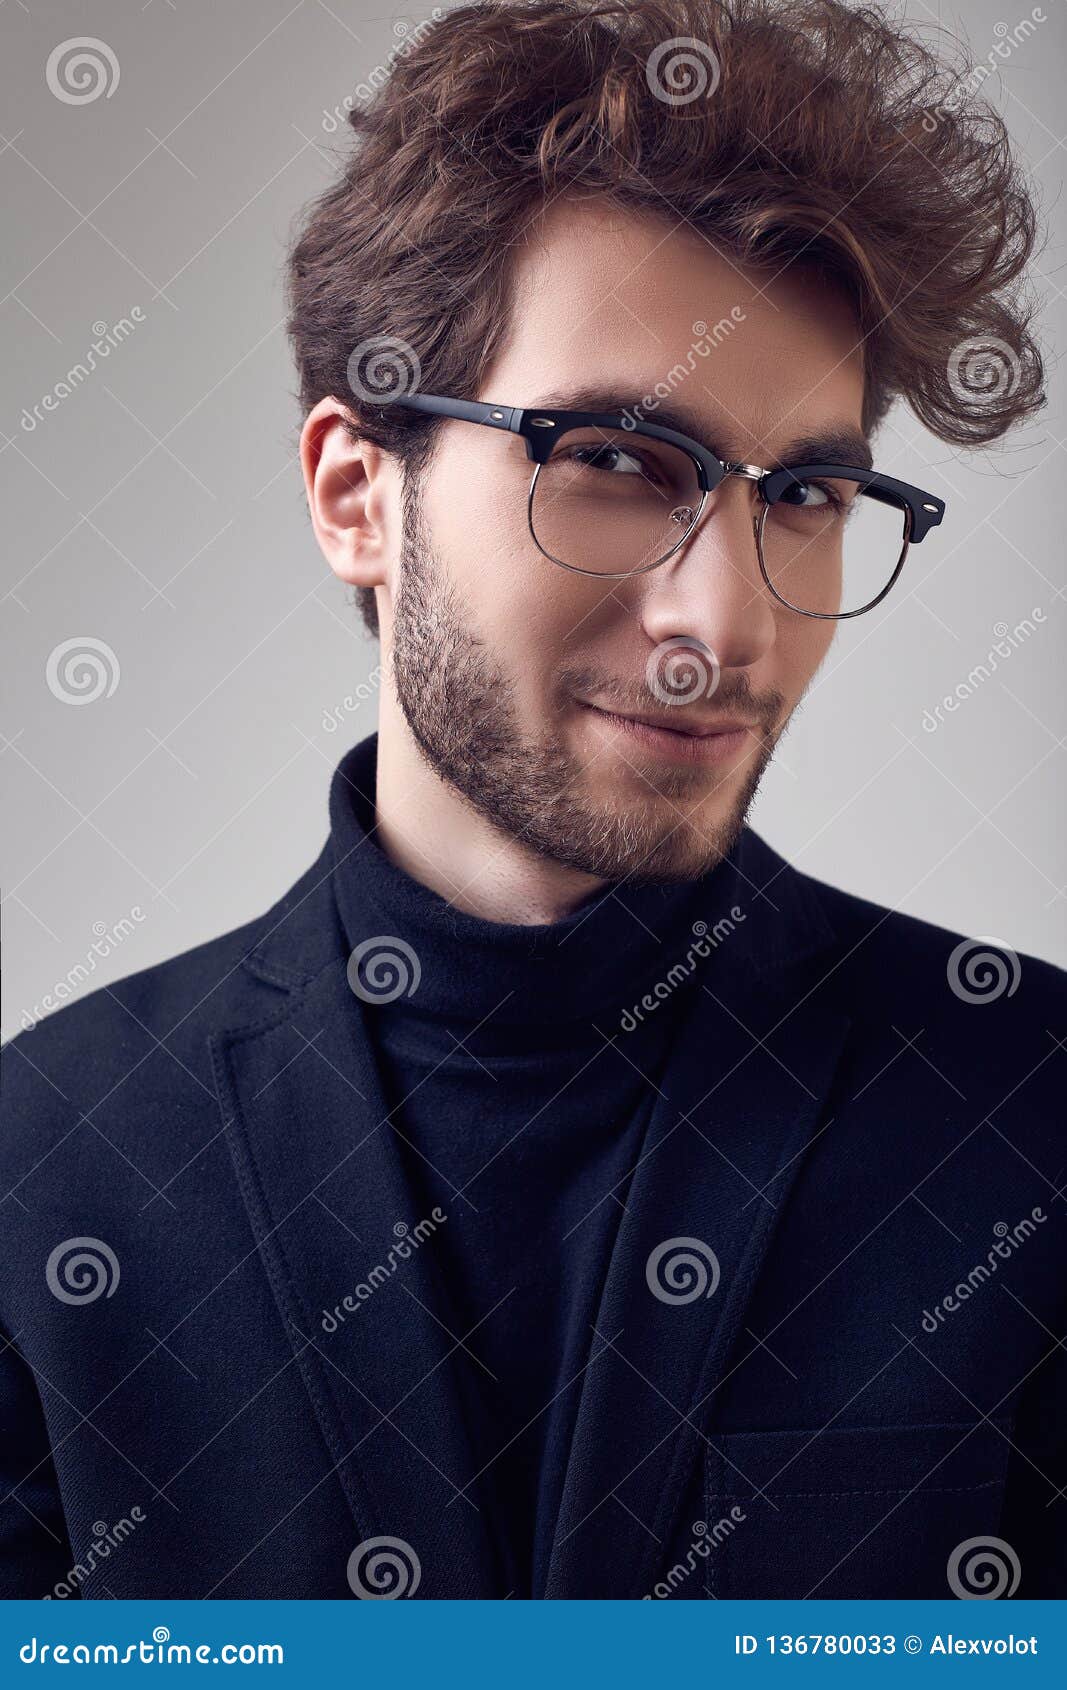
(711, 590)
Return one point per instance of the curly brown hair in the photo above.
(826, 133)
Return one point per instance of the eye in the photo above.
(806, 495)
(609, 458)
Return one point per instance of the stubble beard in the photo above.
(459, 706)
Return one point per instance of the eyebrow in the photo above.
(837, 444)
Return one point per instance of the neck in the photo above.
(435, 836)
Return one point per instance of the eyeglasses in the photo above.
(616, 498)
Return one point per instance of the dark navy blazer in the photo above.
(849, 1122)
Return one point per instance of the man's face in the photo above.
(523, 682)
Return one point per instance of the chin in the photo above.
(649, 843)
(686, 853)
(678, 829)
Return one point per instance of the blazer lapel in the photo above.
(321, 1178)
(322, 1181)
(744, 1092)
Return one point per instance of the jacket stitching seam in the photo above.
(890, 1490)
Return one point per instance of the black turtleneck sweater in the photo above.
(520, 1103)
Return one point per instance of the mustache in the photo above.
(676, 677)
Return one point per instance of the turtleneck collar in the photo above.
(599, 958)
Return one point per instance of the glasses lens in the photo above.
(831, 546)
(610, 502)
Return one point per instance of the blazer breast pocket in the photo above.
(871, 1511)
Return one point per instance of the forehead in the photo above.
(623, 301)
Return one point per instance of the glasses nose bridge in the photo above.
(747, 472)
(705, 510)
(753, 473)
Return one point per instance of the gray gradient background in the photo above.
(159, 509)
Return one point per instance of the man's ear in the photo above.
(353, 494)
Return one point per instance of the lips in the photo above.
(709, 743)
(691, 730)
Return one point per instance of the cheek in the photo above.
(801, 644)
(534, 619)
(531, 614)
(475, 506)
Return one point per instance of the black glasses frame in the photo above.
(541, 429)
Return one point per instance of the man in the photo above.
(556, 1194)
